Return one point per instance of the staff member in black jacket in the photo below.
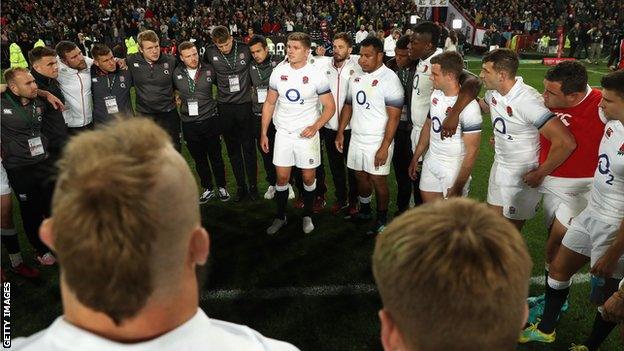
(231, 60)
(200, 125)
(260, 72)
(45, 70)
(152, 74)
(24, 155)
(110, 87)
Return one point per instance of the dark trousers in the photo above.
(267, 158)
(170, 122)
(238, 129)
(337, 165)
(33, 186)
(78, 130)
(203, 140)
(400, 161)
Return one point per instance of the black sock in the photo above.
(11, 243)
(281, 197)
(308, 202)
(600, 330)
(554, 301)
(382, 216)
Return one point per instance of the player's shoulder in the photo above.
(471, 110)
(241, 337)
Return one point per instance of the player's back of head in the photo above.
(123, 212)
(452, 275)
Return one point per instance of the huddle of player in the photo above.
(564, 148)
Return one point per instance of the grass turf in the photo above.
(244, 259)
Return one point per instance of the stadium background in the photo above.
(315, 290)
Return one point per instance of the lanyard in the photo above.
(23, 113)
(110, 85)
(193, 81)
(404, 77)
(260, 72)
(232, 67)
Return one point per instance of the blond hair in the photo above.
(147, 35)
(303, 38)
(124, 203)
(454, 276)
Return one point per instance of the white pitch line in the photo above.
(325, 290)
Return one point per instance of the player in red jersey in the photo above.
(566, 189)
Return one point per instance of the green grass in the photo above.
(336, 253)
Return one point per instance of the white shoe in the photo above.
(291, 192)
(307, 226)
(270, 193)
(206, 196)
(276, 226)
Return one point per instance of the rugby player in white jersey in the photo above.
(339, 69)
(596, 235)
(423, 46)
(298, 87)
(373, 108)
(519, 117)
(448, 162)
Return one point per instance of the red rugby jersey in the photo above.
(585, 125)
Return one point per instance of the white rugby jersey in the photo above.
(369, 94)
(198, 333)
(421, 91)
(516, 119)
(338, 82)
(298, 89)
(469, 122)
(607, 195)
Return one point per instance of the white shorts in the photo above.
(361, 155)
(591, 237)
(291, 149)
(439, 175)
(564, 198)
(4, 182)
(507, 190)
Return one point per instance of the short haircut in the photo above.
(63, 47)
(9, 74)
(220, 34)
(303, 38)
(403, 42)
(438, 263)
(118, 205)
(614, 82)
(571, 74)
(450, 62)
(344, 37)
(257, 39)
(374, 42)
(147, 35)
(430, 29)
(40, 52)
(185, 45)
(504, 60)
(99, 50)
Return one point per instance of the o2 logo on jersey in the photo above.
(436, 125)
(360, 98)
(604, 167)
(499, 125)
(293, 95)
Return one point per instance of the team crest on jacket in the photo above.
(122, 78)
(241, 56)
(305, 79)
(509, 111)
(609, 132)
(273, 64)
(357, 79)
(284, 77)
(351, 72)
(375, 82)
(434, 102)
(621, 150)
(166, 65)
(493, 101)
(39, 111)
(328, 72)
